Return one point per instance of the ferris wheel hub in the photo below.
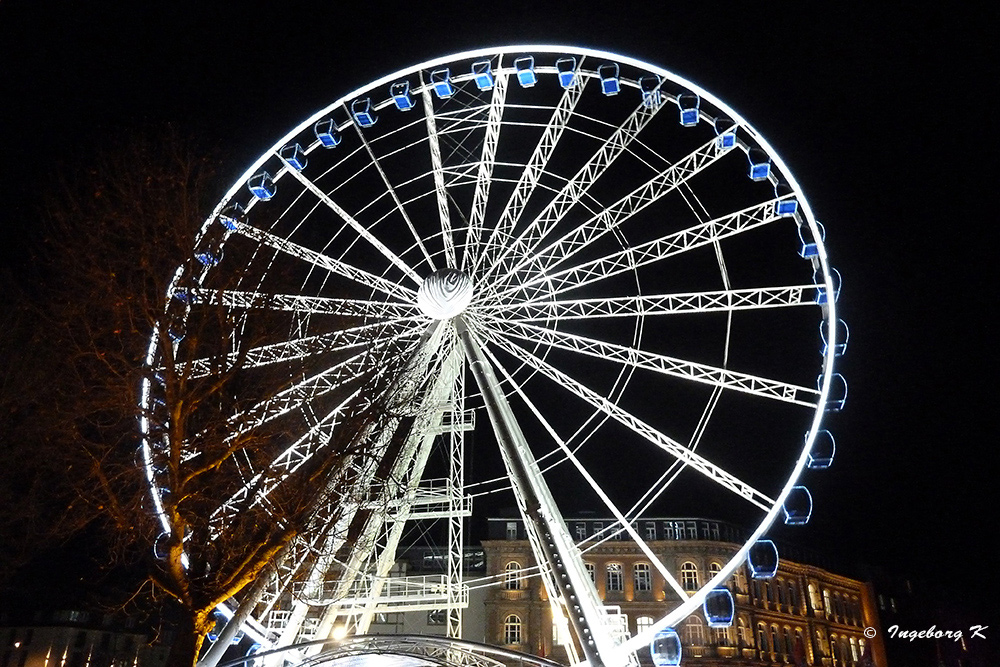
(445, 294)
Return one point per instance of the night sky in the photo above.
(881, 110)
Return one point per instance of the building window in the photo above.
(437, 617)
(689, 576)
(793, 596)
(592, 571)
(723, 636)
(814, 598)
(854, 649)
(581, 531)
(643, 581)
(512, 530)
(512, 629)
(713, 569)
(775, 639)
(512, 576)
(615, 579)
(800, 644)
(762, 637)
(598, 527)
(692, 530)
(789, 646)
(827, 606)
(694, 631)
(744, 632)
(643, 623)
(650, 530)
(782, 596)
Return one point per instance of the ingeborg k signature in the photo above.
(934, 633)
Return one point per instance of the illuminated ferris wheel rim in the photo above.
(828, 281)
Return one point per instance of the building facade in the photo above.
(804, 613)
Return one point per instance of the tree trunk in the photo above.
(190, 631)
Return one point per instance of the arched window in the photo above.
(814, 598)
(854, 649)
(713, 569)
(512, 576)
(835, 659)
(821, 644)
(744, 632)
(512, 629)
(694, 631)
(615, 579)
(762, 637)
(643, 581)
(827, 606)
(793, 596)
(782, 595)
(789, 644)
(800, 640)
(689, 576)
(643, 623)
(739, 581)
(775, 639)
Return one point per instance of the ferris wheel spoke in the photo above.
(361, 230)
(655, 304)
(302, 304)
(658, 363)
(574, 189)
(332, 265)
(484, 174)
(437, 166)
(653, 251)
(298, 348)
(636, 425)
(528, 180)
(569, 455)
(335, 377)
(418, 239)
(610, 218)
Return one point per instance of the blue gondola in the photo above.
(842, 333)
(821, 293)
(719, 608)
(688, 103)
(610, 84)
(231, 216)
(400, 92)
(209, 257)
(363, 113)
(665, 649)
(566, 67)
(261, 186)
(760, 165)
(327, 133)
(160, 546)
(822, 451)
(526, 71)
(652, 96)
(482, 73)
(725, 128)
(762, 559)
(220, 623)
(810, 248)
(798, 506)
(294, 156)
(786, 208)
(837, 397)
(441, 82)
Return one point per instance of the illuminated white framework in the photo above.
(619, 249)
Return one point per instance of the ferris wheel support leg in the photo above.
(567, 579)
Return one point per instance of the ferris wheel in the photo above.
(592, 266)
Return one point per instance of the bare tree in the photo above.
(178, 431)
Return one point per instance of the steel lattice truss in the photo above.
(644, 283)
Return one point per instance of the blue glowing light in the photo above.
(209, 257)
(610, 85)
(261, 186)
(821, 293)
(719, 608)
(327, 133)
(688, 103)
(843, 335)
(822, 451)
(650, 87)
(294, 156)
(726, 141)
(441, 82)
(566, 67)
(363, 113)
(665, 649)
(786, 207)
(762, 559)
(759, 171)
(798, 506)
(482, 72)
(526, 71)
(231, 216)
(400, 92)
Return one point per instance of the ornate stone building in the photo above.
(804, 612)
